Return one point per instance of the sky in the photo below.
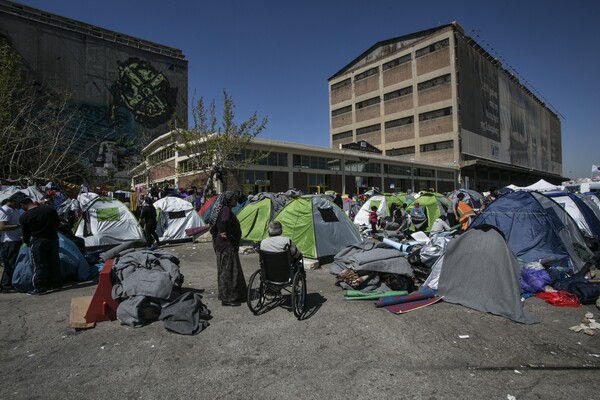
(274, 57)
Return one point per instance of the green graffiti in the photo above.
(145, 92)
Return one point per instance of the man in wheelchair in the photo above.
(276, 243)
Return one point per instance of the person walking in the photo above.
(10, 240)
(227, 233)
(148, 218)
(40, 232)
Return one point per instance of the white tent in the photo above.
(107, 222)
(542, 186)
(175, 215)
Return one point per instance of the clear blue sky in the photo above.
(274, 56)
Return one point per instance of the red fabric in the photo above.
(559, 298)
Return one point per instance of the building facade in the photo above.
(310, 169)
(436, 96)
(124, 88)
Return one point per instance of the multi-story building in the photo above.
(310, 169)
(436, 96)
(122, 87)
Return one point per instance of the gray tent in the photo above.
(480, 271)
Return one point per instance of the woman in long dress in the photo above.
(227, 233)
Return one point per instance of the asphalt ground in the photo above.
(341, 350)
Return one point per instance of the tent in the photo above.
(541, 186)
(472, 198)
(536, 227)
(478, 270)
(319, 228)
(32, 192)
(383, 202)
(175, 215)
(107, 222)
(206, 209)
(582, 214)
(589, 201)
(255, 216)
(433, 205)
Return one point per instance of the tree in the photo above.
(219, 149)
(40, 131)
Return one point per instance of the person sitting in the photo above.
(276, 243)
(418, 218)
(440, 225)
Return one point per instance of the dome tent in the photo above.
(175, 215)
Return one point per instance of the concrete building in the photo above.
(123, 87)
(436, 96)
(310, 169)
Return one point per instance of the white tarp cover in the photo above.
(175, 215)
(107, 222)
(32, 192)
(362, 217)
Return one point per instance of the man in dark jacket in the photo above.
(40, 233)
(148, 218)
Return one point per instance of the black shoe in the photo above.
(231, 303)
(36, 292)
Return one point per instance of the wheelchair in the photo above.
(277, 272)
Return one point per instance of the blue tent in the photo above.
(580, 211)
(536, 227)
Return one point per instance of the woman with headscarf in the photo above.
(227, 233)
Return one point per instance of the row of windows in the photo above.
(314, 162)
(367, 103)
(399, 122)
(341, 84)
(438, 81)
(273, 158)
(366, 74)
(340, 111)
(432, 47)
(442, 112)
(368, 129)
(342, 135)
(362, 166)
(140, 179)
(448, 144)
(396, 169)
(398, 93)
(188, 165)
(161, 155)
(397, 61)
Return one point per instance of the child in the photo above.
(373, 219)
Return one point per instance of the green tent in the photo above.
(255, 216)
(319, 228)
(434, 204)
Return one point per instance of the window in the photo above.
(367, 103)
(445, 174)
(255, 177)
(435, 114)
(362, 166)
(396, 169)
(138, 180)
(448, 144)
(440, 80)
(368, 129)
(366, 74)
(340, 111)
(342, 135)
(396, 62)
(314, 162)
(317, 180)
(161, 155)
(425, 172)
(433, 47)
(188, 165)
(341, 84)
(398, 93)
(399, 122)
(272, 158)
(401, 151)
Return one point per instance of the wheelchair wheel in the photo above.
(256, 292)
(298, 294)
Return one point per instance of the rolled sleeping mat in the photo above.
(112, 253)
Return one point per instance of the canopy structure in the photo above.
(542, 186)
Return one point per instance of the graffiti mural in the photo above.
(145, 92)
